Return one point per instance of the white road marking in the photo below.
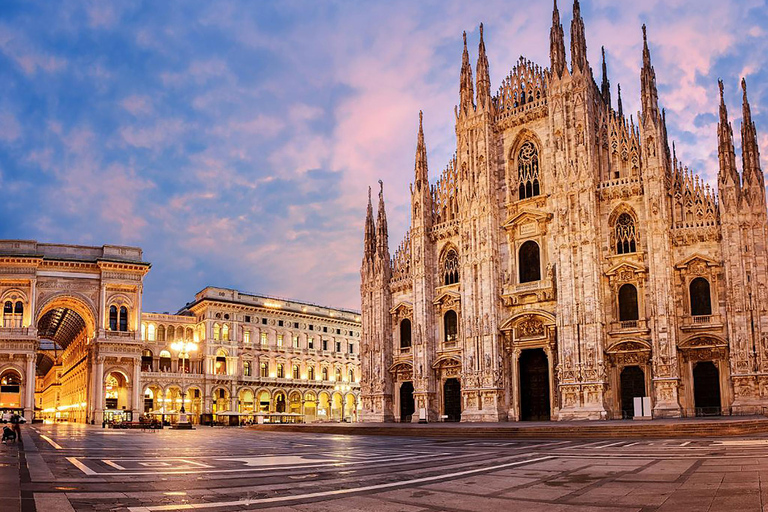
(322, 494)
(610, 444)
(114, 465)
(82, 467)
(742, 442)
(632, 444)
(51, 442)
(685, 443)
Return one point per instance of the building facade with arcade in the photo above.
(565, 262)
(74, 345)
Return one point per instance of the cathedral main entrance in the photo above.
(407, 405)
(632, 385)
(706, 389)
(534, 385)
(452, 399)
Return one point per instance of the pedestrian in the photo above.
(16, 425)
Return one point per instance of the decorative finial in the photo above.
(369, 195)
(744, 85)
(465, 39)
(381, 188)
(720, 84)
(481, 31)
(645, 36)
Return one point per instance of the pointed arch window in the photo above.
(626, 235)
(112, 318)
(529, 262)
(701, 300)
(450, 268)
(528, 171)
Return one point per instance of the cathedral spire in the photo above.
(649, 94)
(483, 76)
(382, 237)
(370, 231)
(556, 44)
(422, 171)
(620, 106)
(750, 153)
(578, 41)
(466, 93)
(728, 177)
(605, 87)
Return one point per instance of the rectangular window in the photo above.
(295, 342)
(280, 323)
(263, 338)
(247, 319)
(351, 348)
(338, 331)
(264, 321)
(338, 346)
(310, 342)
(295, 325)
(325, 344)
(325, 329)
(247, 336)
(311, 327)
(279, 340)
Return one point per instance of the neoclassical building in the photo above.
(74, 345)
(566, 262)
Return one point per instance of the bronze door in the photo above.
(452, 399)
(407, 406)
(534, 385)
(706, 389)
(632, 385)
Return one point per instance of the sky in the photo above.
(234, 141)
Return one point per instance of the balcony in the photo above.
(524, 293)
(701, 322)
(624, 327)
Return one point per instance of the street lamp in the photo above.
(184, 348)
(343, 388)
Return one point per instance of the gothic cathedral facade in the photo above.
(565, 263)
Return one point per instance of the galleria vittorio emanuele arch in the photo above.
(566, 263)
(75, 346)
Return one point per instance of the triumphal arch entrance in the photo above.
(70, 341)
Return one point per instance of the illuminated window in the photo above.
(165, 361)
(295, 342)
(144, 331)
(247, 337)
(351, 375)
(338, 374)
(151, 332)
(263, 338)
(247, 369)
(324, 373)
(225, 332)
(280, 371)
(311, 373)
(216, 332)
(263, 370)
(295, 371)
(311, 343)
(279, 340)
(220, 366)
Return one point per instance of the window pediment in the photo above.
(403, 309)
(625, 272)
(527, 223)
(448, 298)
(697, 264)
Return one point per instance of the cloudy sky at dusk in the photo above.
(235, 141)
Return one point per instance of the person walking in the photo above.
(16, 425)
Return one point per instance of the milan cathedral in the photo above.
(565, 263)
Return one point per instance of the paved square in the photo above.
(83, 468)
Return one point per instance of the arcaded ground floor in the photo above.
(85, 468)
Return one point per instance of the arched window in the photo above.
(450, 268)
(161, 333)
(151, 332)
(225, 332)
(263, 370)
(626, 238)
(295, 371)
(701, 301)
(19, 309)
(528, 171)
(8, 308)
(165, 361)
(220, 366)
(529, 262)
(123, 318)
(450, 325)
(146, 361)
(311, 373)
(247, 369)
(280, 371)
(324, 373)
(338, 374)
(351, 375)
(169, 334)
(112, 318)
(628, 309)
(405, 333)
(216, 332)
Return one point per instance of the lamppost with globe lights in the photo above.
(184, 348)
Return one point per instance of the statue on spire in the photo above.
(649, 93)
(556, 44)
(466, 92)
(578, 41)
(605, 87)
(483, 76)
(728, 179)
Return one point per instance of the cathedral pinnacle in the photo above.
(649, 93)
(750, 152)
(620, 107)
(382, 237)
(466, 92)
(605, 87)
(556, 44)
(728, 177)
(370, 230)
(578, 41)
(483, 76)
(422, 171)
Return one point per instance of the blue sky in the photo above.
(235, 141)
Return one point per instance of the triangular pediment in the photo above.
(447, 296)
(401, 306)
(697, 257)
(625, 266)
(525, 216)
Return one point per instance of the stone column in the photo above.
(29, 388)
(136, 402)
(98, 391)
(514, 386)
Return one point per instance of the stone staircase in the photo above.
(721, 427)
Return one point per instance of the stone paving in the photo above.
(82, 468)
